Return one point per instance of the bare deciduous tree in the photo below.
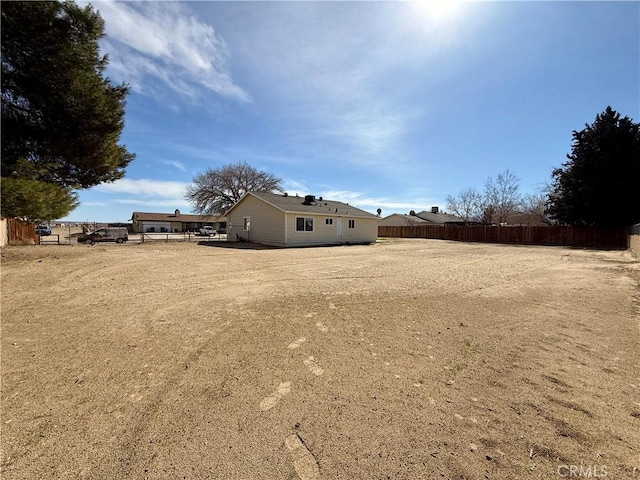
(503, 196)
(488, 214)
(499, 203)
(216, 190)
(467, 204)
(534, 205)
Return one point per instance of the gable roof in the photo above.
(296, 204)
(438, 217)
(172, 217)
(407, 218)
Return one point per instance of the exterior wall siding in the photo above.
(365, 231)
(634, 244)
(140, 226)
(157, 226)
(4, 237)
(322, 233)
(267, 223)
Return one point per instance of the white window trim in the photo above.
(246, 221)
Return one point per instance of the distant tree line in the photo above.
(500, 202)
(599, 185)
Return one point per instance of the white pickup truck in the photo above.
(208, 230)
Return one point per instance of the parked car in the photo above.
(111, 234)
(43, 230)
(208, 230)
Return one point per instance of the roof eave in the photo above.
(332, 214)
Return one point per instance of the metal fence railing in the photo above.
(175, 237)
(24, 233)
(49, 239)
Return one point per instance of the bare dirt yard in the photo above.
(408, 359)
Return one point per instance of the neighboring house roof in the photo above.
(174, 217)
(297, 204)
(406, 219)
(438, 217)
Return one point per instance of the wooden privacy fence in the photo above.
(586, 237)
(19, 232)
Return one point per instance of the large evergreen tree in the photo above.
(35, 201)
(600, 183)
(61, 118)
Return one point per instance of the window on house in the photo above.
(304, 224)
(352, 224)
(246, 223)
(328, 221)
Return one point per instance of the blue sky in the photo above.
(390, 105)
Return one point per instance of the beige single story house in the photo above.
(146, 222)
(284, 220)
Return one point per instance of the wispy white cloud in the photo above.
(165, 42)
(151, 194)
(176, 164)
(295, 186)
(144, 188)
(200, 153)
(156, 203)
(369, 203)
(330, 70)
(370, 128)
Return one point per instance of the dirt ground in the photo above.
(408, 359)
